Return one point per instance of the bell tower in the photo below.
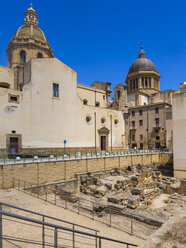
(28, 42)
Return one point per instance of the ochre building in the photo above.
(147, 110)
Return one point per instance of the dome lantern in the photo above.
(141, 53)
(31, 16)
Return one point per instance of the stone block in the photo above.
(133, 201)
(108, 186)
(137, 191)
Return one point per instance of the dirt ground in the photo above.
(26, 201)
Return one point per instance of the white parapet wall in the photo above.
(179, 132)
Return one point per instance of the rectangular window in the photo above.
(103, 97)
(141, 136)
(133, 123)
(13, 98)
(133, 137)
(55, 90)
(133, 113)
(140, 112)
(157, 121)
(156, 110)
(157, 137)
(141, 122)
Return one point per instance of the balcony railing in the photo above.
(133, 128)
(157, 125)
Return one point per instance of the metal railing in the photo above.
(123, 220)
(23, 159)
(57, 236)
(45, 217)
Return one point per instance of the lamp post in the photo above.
(65, 146)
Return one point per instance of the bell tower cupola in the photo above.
(28, 42)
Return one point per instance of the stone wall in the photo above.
(53, 171)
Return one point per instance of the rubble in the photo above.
(133, 202)
(135, 187)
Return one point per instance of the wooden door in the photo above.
(103, 143)
(13, 145)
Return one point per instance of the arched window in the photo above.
(4, 85)
(39, 55)
(22, 56)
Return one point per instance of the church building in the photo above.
(43, 106)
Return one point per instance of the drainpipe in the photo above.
(148, 127)
(95, 130)
(111, 132)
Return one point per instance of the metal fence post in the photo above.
(1, 229)
(99, 242)
(78, 205)
(45, 193)
(55, 238)
(96, 239)
(43, 234)
(110, 218)
(73, 238)
(93, 210)
(19, 185)
(131, 225)
(55, 196)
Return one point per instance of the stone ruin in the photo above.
(133, 188)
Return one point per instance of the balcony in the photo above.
(133, 128)
(157, 125)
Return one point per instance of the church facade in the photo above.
(43, 106)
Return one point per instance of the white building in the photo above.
(41, 103)
(179, 132)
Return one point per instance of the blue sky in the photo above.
(101, 39)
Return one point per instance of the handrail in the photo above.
(121, 212)
(108, 207)
(46, 216)
(63, 228)
(42, 158)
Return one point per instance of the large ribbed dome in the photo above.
(30, 31)
(142, 63)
